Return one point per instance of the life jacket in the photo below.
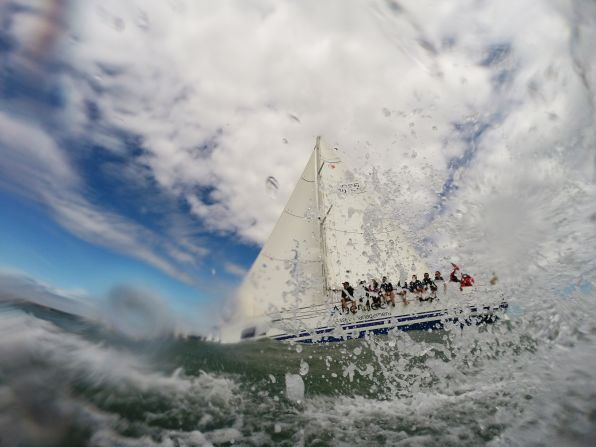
(415, 285)
(467, 281)
(348, 293)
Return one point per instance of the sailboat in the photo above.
(330, 232)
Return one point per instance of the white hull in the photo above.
(327, 323)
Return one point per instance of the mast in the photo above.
(318, 200)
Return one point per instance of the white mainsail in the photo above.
(324, 237)
(288, 270)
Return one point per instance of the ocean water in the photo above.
(526, 380)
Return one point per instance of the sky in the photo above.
(136, 138)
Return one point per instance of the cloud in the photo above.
(455, 107)
(213, 92)
(234, 269)
(113, 231)
(129, 310)
(30, 159)
(15, 286)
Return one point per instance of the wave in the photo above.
(517, 382)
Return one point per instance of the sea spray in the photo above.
(294, 387)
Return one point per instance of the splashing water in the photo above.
(511, 383)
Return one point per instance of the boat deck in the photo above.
(327, 322)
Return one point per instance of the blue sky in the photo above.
(57, 257)
(136, 138)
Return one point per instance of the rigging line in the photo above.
(297, 216)
(321, 168)
(326, 214)
(318, 200)
(296, 261)
(360, 232)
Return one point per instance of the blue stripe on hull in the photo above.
(423, 325)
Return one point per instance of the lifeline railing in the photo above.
(334, 300)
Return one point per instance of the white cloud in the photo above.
(30, 159)
(127, 309)
(111, 230)
(236, 76)
(234, 269)
(15, 286)
(214, 90)
(186, 71)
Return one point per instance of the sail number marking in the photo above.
(345, 188)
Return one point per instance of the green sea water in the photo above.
(521, 381)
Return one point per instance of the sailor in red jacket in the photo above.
(453, 276)
(466, 280)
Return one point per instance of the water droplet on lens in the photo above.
(294, 387)
(303, 368)
(272, 186)
(142, 20)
